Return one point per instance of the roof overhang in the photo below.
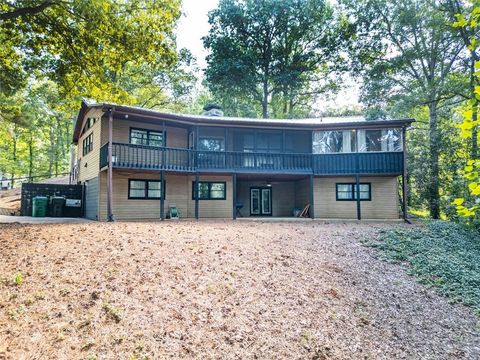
(138, 114)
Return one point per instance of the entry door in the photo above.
(260, 201)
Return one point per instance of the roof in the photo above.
(312, 123)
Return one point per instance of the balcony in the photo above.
(185, 160)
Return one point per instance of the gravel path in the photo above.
(217, 289)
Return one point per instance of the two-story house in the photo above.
(138, 163)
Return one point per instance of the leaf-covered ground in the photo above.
(443, 255)
(218, 289)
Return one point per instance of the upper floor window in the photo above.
(88, 124)
(88, 144)
(146, 137)
(365, 140)
(380, 140)
(211, 143)
(340, 141)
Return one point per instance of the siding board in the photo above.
(384, 203)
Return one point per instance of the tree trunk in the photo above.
(51, 152)
(475, 132)
(30, 157)
(434, 193)
(14, 157)
(265, 98)
(473, 82)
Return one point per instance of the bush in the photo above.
(441, 254)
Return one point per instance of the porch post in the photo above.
(404, 175)
(312, 197)
(162, 195)
(196, 195)
(110, 170)
(357, 178)
(234, 195)
(357, 185)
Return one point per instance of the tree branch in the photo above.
(28, 10)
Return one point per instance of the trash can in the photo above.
(39, 206)
(57, 206)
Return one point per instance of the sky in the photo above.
(193, 25)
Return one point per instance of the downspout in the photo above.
(404, 176)
(110, 169)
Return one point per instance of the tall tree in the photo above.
(266, 49)
(406, 51)
(85, 45)
(461, 14)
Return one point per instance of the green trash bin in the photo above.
(39, 206)
(57, 206)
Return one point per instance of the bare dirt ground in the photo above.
(217, 289)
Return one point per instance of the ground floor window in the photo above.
(210, 190)
(348, 191)
(145, 189)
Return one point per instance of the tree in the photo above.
(85, 46)
(467, 24)
(406, 51)
(262, 50)
(461, 13)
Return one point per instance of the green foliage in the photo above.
(85, 46)
(18, 279)
(56, 52)
(271, 55)
(467, 23)
(409, 59)
(442, 255)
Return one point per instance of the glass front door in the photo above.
(260, 201)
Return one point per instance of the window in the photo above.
(145, 189)
(380, 140)
(88, 124)
(211, 144)
(210, 190)
(88, 144)
(146, 137)
(327, 142)
(348, 191)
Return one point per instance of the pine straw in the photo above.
(217, 289)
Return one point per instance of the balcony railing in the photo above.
(186, 160)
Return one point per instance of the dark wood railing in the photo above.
(186, 160)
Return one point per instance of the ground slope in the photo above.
(217, 289)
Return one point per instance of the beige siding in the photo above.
(384, 203)
(178, 192)
(89, 164)
(176, 137)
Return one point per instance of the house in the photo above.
(221, 167)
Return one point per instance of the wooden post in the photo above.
(234, 195)
(110, 168)
(312, 197)
(357, 185)
(196, 194)
(404, 175)
(162, 195)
